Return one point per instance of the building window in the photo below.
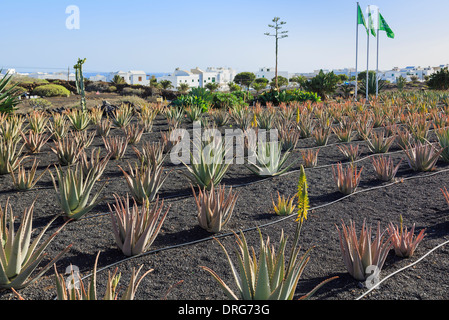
(193, 80)
(140, 78)
(213, 79)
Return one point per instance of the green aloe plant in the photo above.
(19, 257)
(210, 166)
(73, 191)
(269, 160)
(267, 278)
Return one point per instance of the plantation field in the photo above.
(183, 246)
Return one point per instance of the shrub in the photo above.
(224, 100)
(439, 80)
(51, 90)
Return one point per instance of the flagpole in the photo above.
(377, 59)
(367, 64)
(356, 50)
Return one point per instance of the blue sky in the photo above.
(158, 36)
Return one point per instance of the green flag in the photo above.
(370, 23)
(361, 18)
(383, 25)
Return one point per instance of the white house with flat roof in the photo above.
(131, 77)
(269, 73)
(200, 78)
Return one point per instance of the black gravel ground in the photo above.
(182, 246)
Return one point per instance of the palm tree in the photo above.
(211, 86)
(117, 80)
(183, 88)
(166, 84)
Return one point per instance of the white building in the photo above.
(199, 78)
(131, 77)
(269, 73)
(408, 72)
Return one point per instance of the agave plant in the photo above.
(214, 208)
(284, 205)
(10, 157)
(269, 160)
(26, 181)
(208, 165)
(135, 230)
(347, 179)
(144, 182)
(422, 156)
(359, 253)
(174, 116)
(116, 146)
(268, 278)
(384, 168)
(73, 191)
(404, 242)
(19, 256)
(77, 291)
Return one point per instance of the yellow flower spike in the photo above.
(303, 196)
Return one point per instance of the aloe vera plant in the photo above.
(210, 166)
(422, 156)
(269, 277)
(384, 168)
(284, 205)
(19, 257)
(34, 141)
(10, 157)
(359, 253)
(269, 160)
(347, 179)
(26, 180)
(73, 191)
(136, 229)
(404, 242)
(144, 182)
(67, 150)
(111, 291)
(80, 119)
(214, 207)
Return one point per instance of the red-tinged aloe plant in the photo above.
(404, 242)
(347, 179)
(384, 168)
(214, 207)
(360, 252)
(422, 156)
(135, 230)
